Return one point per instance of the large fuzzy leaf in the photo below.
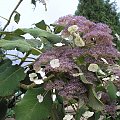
(9, 79)
(36, 43)
(30, 109)
(36, 32)
(20, 45)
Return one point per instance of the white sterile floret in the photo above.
(38, 82)
(77, 74)
(42, 73)
(82, 118)
(104, 60)
(68, 117)
(118, 93)
(118, 37)
(53, 97)
(26, 70)
(59, 44)
(79, 41)
(34, 78)
(93, 67)
(54, 63)
(88, 114)
(101, 117)
(22, 95)
(101, 72)
(72, 29)
(114, 77)
(105, 79)
(40, 98)
(99, 95)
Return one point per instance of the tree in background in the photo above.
(100, 11)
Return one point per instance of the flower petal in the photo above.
(40, 98)
(93, 67)
(54, 63)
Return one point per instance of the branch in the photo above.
(32, 85)
(8, 22)
(4, 18)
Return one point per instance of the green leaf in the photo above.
(20, 45)
(58, 29)
(111, 89)
(79, 113)
(47, 45)
(94, 102)
(30, 109)
(84, 80)
(57, 112)
(36, 43)
(4, 64)
(13, 36)
(17, 17)
(9, 79)
(97, 115)
(36, 32)
(41, 25)
(3, 107)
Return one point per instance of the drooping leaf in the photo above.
(94, 102)
(17, 17)
(111, 89)
(20, 45)
(3, 108)
(30, 109)
(9, 79)
(36, 43)
(36, 32)
(47, 45)
(41, 25)
(13, 37)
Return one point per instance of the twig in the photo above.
(4, 18)
(8, 22)
(26, 87)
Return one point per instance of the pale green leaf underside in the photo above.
(20, 45)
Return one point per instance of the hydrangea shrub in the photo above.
(76, 75)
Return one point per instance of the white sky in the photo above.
(29, 16)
